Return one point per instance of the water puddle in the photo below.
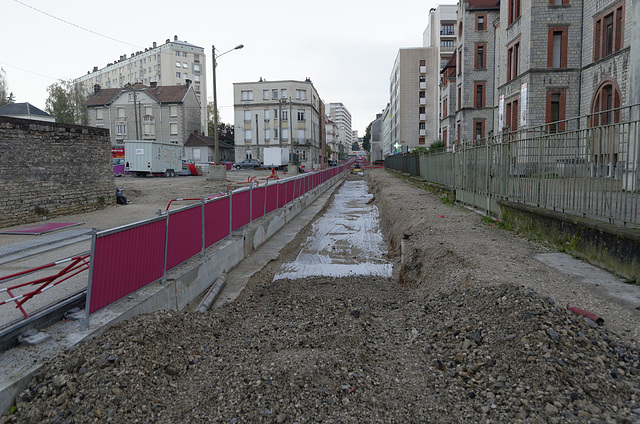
(345, 241)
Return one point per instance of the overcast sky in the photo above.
(346, 47)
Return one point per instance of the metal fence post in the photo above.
(84, 325)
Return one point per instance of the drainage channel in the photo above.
(345, 241)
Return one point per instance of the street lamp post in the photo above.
(215, 100)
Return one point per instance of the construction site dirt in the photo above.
(472, 326)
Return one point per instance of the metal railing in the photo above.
(588, 166)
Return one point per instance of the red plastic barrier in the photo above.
(216, 221)
(125, 261)
(258, 199)
(241, 205)
(185, 235)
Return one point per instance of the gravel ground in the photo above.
(470, 328)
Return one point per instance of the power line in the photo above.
(77, 26)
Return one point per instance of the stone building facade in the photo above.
(168, 114)
(475, 71)
(50, 169)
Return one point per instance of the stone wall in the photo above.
(49, 170)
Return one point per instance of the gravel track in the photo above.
(471, 328)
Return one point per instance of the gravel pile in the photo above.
(351, 350)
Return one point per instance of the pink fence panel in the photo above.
(185, 235)
(240, 205)
(272, 197)
(258, 202)
(216, 221)
(288, 191)
(125, 261)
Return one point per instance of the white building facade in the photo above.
(277, 114)
(339, 114)
(172, 63)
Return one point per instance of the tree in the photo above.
(366, 140)
(4, 89)
(225, 131)
(355, 146)
(329, 151)
(66, 102)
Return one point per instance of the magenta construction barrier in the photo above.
(184, 235)
(217, 222)
(258, 201)
(126, 260)
(241, 206)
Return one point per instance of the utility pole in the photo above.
(215, 108)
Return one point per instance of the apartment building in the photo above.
(473, 93)
(376, 138)
(339, 114)
(278, 114)
(337, 146)
(413, 99)
(138, 112)
(172, 63)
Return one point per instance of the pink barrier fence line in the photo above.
(127, 258)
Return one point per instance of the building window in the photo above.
(444, 137)
(513, 60)
(459, 133)
(447, 29)
(178, 75)
(285, 115)
(173, 128)
(285, 134)
(556, 101)
(607, 97)
(421, 141)
(148, 110)
(246, 95)
(557, 48)
(459, 98)
(121, 129)
(479, 94)
(274, 94)
(460, 29)
(301, 94)
(267, 134)
(301, 136)
(178, 64)
(481, 57)
(173, 110)
(283, 93)
(265, 94)
(149, 129)
(512, 114)
(301, 115)
(99, 113)
(558, 2)
(444, 108)
(247, 116)
(513, 10)
(481, 19)
(459, 61)
(608, 34)
(196, 67)
(478, 129)
(266, 115)
(247, 135)
(120, 112)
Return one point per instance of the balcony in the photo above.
(423, 86)
(423, 100)
(423, 117)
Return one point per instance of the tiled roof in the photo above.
(25, 109)
(162, 94)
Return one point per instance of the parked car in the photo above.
(333, 162)
(248, 164)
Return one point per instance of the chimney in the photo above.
(154, 84)
(195, 132)
(188, 82)
(154, 44)
(96, 89)
(168, 41)
(95, 69)
(175, 38)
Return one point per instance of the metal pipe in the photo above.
(586, 314)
